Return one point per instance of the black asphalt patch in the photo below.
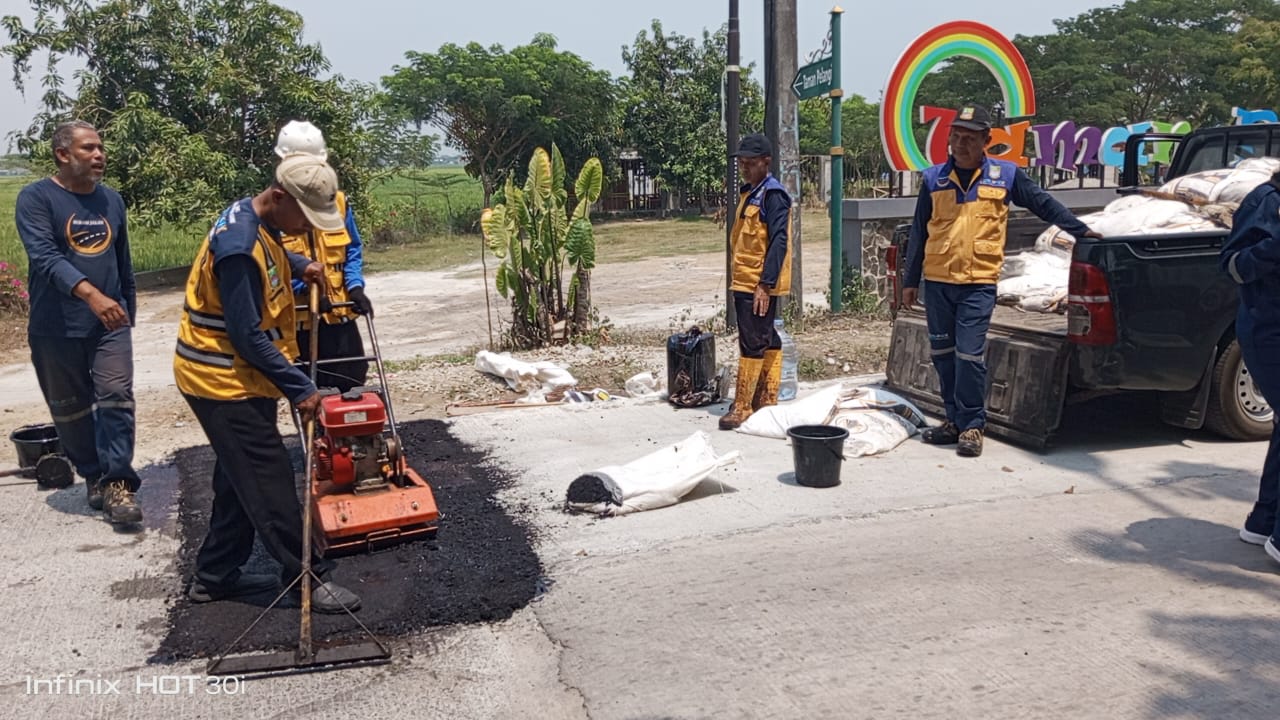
(480, 567)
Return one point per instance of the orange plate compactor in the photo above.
(364, 495)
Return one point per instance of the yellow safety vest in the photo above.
(966, 233)
(330, 248)
(205, 364)
(750, 241)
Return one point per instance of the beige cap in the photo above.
(314, 185)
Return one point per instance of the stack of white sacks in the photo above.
(1036, 280)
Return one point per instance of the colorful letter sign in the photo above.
(1063, 145)
(962, 38)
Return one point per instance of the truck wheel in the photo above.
(1236, 409)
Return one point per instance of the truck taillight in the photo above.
(891, 263)
(1091, 319)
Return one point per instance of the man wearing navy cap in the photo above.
(761, 246)
(957, 245)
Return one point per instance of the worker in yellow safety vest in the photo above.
(761, 247)
(957, 247)
(341, 252)
(235, 358)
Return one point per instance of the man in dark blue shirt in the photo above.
(1251, 256)
(83, 302)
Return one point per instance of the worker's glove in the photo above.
(364, 306)
(326, 305)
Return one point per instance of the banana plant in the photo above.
(534, 236)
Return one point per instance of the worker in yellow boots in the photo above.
(761, 240)
(342, 254)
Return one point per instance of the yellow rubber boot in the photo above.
(770, 380)
(748, 378)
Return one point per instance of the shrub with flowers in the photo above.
(13, 291)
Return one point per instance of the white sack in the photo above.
(535, 380)
(643, 384)
(872, 432)
(656, 480)
(877, 420)
(774, 420)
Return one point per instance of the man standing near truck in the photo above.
(1251, 256)
(957, 245)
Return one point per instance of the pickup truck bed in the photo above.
(1027, 366)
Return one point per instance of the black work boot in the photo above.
(970, 443)
(245, 584)
(945, 434)
(119, 503)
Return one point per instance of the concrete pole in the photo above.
(731, 108)
(787, 138)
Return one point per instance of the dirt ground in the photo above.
(430, 324)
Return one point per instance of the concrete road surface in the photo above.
(1102, 579)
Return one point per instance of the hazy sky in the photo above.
(364, 39)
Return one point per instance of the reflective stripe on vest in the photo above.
(206, 357)
(205, 362)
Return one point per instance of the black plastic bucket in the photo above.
(33, 442)
(818, 450)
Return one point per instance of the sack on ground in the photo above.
(656, 480)
(877, 420)
(535, 380)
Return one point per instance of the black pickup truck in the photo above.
(1145, 313)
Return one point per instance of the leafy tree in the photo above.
(497, 107)
(1256, 78)
(396, 141)
(188, 94)
(673, 101)
(815, 126)
(864, 159)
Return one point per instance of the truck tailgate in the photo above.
(1027, 363)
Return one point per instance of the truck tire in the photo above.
(1236, 409)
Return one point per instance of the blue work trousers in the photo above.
(1260, 346)
(88, 385)
(958, 317)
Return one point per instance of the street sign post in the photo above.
(837, 173)
(815, 79)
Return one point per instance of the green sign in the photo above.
(814, 80)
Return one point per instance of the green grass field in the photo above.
(437, 193)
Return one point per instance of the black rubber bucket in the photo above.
(33, 442)
(818, 450)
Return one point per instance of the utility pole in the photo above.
(782, 124)
(731, 108)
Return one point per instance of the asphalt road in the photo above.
(1100, 579)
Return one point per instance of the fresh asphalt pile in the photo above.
(480, 567)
